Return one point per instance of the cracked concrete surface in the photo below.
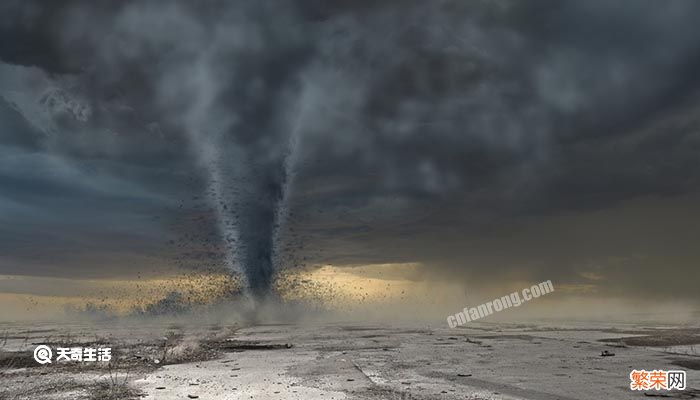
(355, 361)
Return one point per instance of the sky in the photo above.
(478, 145)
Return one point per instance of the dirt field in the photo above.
(346, 361)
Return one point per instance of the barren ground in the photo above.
(347, 361)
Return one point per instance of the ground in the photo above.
(347, 361)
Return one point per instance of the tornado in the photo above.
(249, 196)
(220, 84)
(241, 110)
(260, 199)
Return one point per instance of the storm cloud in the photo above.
(476, 138)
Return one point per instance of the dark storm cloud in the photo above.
(388, 131)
